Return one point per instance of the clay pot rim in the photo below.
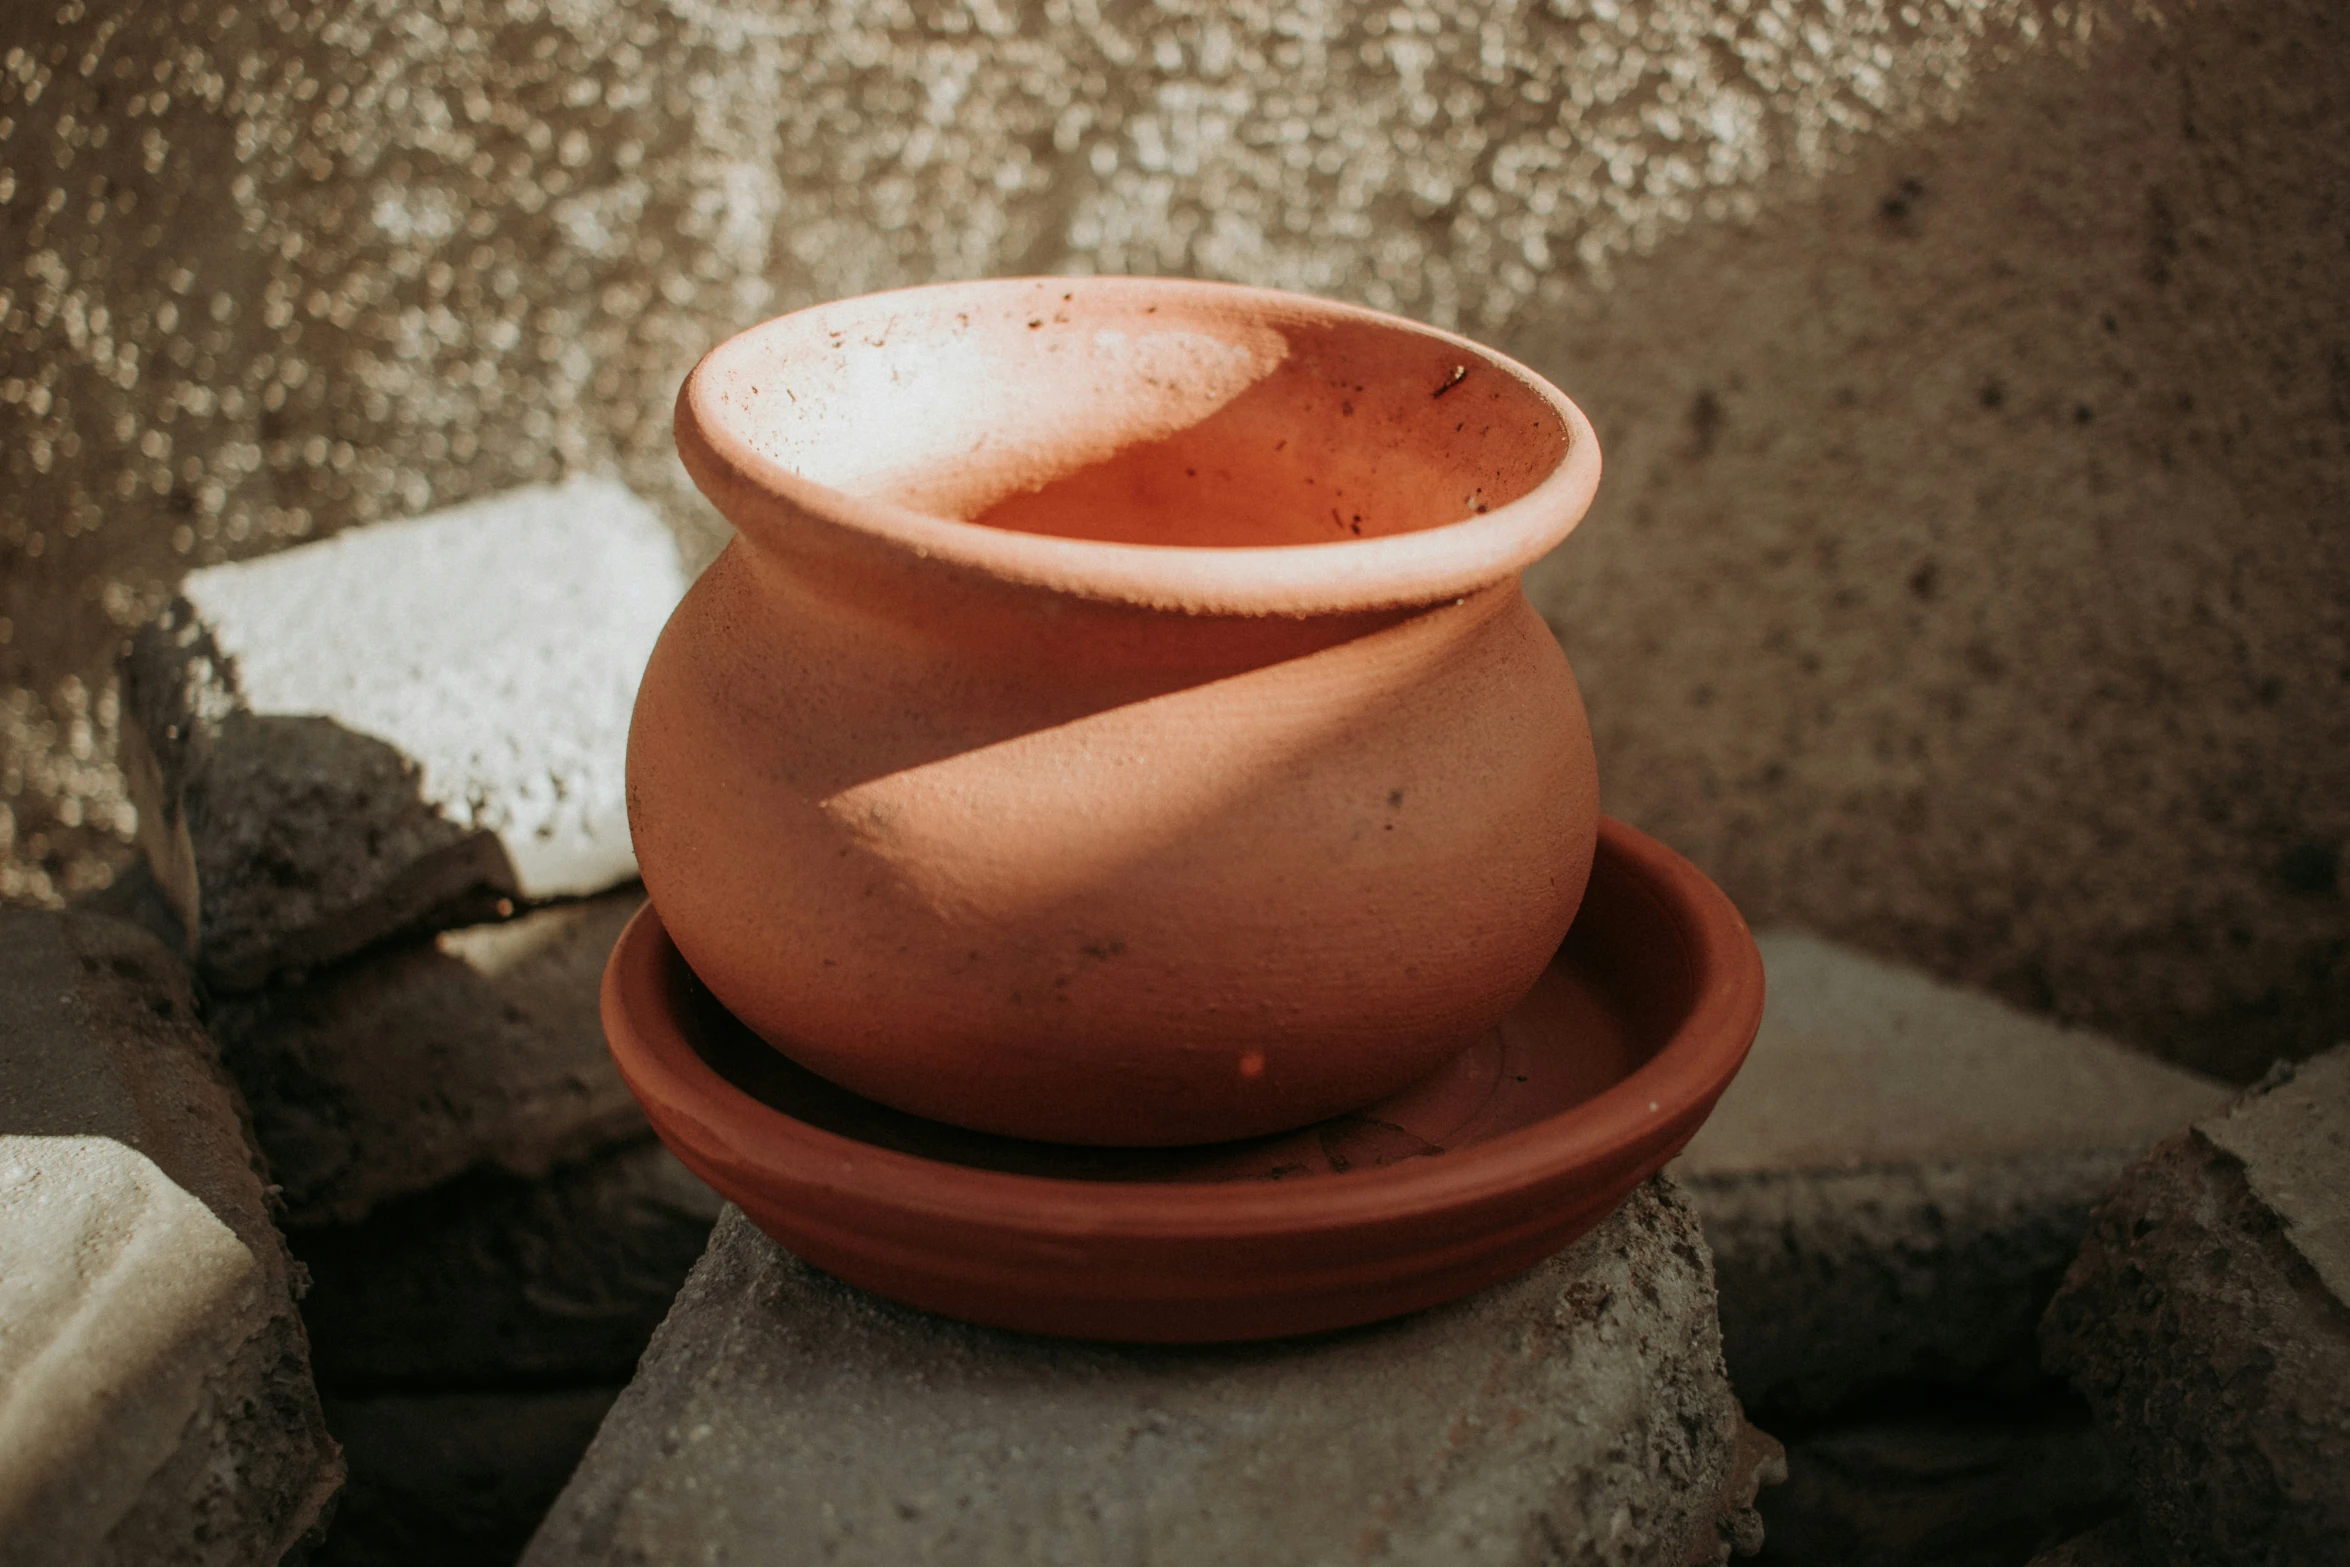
(767, 500)
(1642, 1119)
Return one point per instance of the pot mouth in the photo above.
(1202, 447)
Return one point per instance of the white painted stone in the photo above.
(496, 644)
(119, 1295)
(398, 726)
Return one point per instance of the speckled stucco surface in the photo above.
(1971, 578)
(1968, 581)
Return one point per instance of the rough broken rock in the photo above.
(493, 1280)
(2207, 1319)
(404, 1067)
(398, 726)
(1893, 1185)
(1576, 1413)
(155, 1396)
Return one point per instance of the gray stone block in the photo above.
(2207, 1319)
(492, 1281)
(397, 727)
(1893, 1185)
(409, 1065)
(1576, 1413)
(156, 1405)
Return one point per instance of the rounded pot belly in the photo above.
(1115, 901)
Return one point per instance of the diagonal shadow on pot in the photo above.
(1267, 825)
(1251, 443)
(1180, 780)
(987, 745)
(1078, 722)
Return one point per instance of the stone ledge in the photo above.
(1578, 1412)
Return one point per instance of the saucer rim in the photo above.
(1642, 1119)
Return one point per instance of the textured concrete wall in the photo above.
(1974, 377)
(1972, 574)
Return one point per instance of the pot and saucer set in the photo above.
(1124, 857)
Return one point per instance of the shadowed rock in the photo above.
(400, 727)
(404, 1067)
(2113, 1543)
(1576, 1413)
(494, 1282)
(156, 1405)
(2207, 1318)
(1941, 1483)
(453, 1479)
(1894, 1183)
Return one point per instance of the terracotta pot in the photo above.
(1506, 1154)
(1118, 720)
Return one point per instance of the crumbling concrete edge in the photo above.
(2215, 1360)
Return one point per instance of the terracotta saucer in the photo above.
(1496, 1161)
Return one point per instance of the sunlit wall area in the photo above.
(1969, 578)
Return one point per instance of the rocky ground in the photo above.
(387, 859)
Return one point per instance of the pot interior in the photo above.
(1140, 412)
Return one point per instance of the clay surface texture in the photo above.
(1118, 721)
(397, 727)
(1577, 1413)
(155, 1396)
